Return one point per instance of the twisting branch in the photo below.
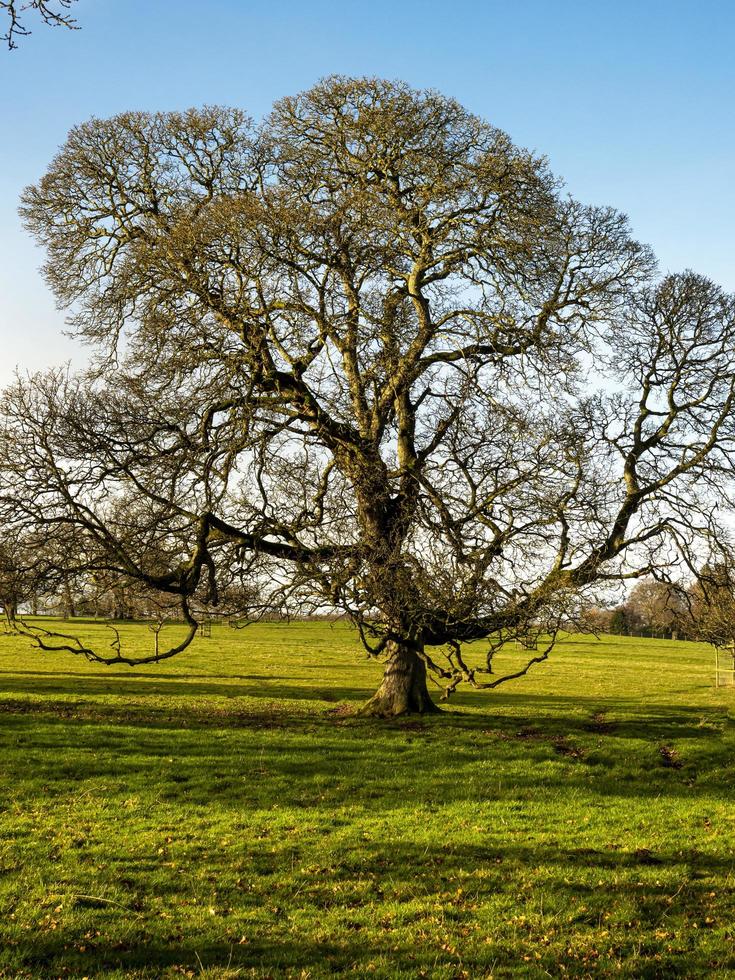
(51, 641)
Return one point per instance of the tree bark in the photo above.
(403, 689)
(10, 608)
(69, 608)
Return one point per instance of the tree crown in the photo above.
(347, 352)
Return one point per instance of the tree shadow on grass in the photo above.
(267, 686)
(583, 717)
(113, 676)
(187, 956)
(499, 709)
(424, 917)
(246, 758)
(267, 761)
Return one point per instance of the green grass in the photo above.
(222, 815)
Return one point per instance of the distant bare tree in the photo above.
(13, 589)
(711, 605)
(595, 619)
(657, 606)
(51, 12)
(29, 572)
(348, 357)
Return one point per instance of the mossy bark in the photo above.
(403, 689)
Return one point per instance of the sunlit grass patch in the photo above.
(223, 814)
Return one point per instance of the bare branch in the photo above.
(52, 13)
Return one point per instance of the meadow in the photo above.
(224, 815)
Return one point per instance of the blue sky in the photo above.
(633, 102)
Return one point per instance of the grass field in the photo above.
(222, 815)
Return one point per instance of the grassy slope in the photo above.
(221, 815)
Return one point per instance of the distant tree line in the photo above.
(48, 577)
(703, 609)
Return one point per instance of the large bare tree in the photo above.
(365, 356)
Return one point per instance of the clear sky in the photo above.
(633, 101)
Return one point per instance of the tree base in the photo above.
(403, 690)
(382, 707)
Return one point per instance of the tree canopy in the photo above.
(364, 356)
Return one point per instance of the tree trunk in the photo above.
(403, 690)
(69, 608)
(10, 608)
